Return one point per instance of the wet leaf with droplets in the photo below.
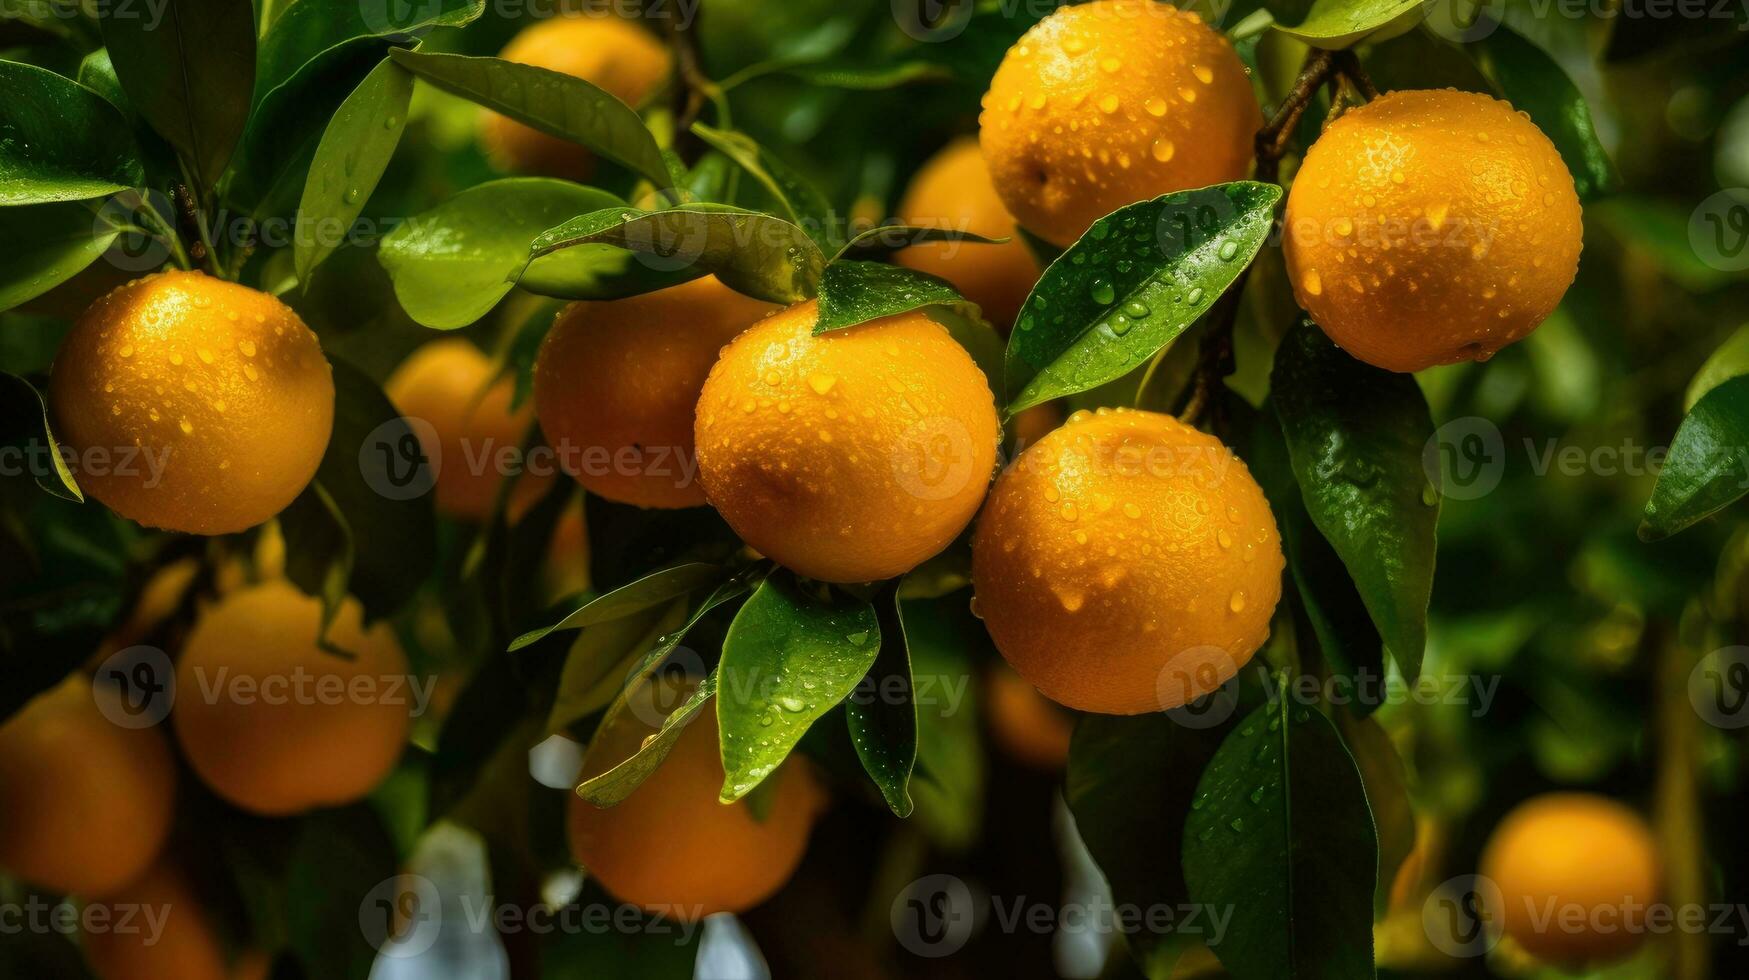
(1705, 470)
(60, 141)
(883, 717)
(350, 159)
(853, 292)
(797, 200)
(1337, 24)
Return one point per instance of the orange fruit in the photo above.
(1575, 872)
(1027, 725)
(670, 846)
(611, 53)
(157, 928)
(1126, 563)
(616, 383)
(278, 726)
(850, 456)
(193, 404)
(1109, 103)
(952, 191)
(85, 804)
(566, 571)
(450, 386)
(1431, 227)
(1030, 425)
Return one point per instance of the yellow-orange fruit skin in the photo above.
(952, 191)
(1126, 563)
(450, 385)
(851, 456)
(615, 55)
(287, 742)
(211, 401)
(1028, 726)
(164, 932)
(1109, 103)
(616, 384)
(672, 847)
(85, 804)
(1431, 227)
(1586, 859)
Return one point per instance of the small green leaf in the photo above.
(1728, 361)
(308, 31)
(856, 292)
(44, 245)
(886, 239)
(612, 787)
(598, 660)
(654, 589)
(63, 142)
(350, 159)
(1356, 436)
(1280, 833)
(554, 103)
(760, 255)
(1337, 24)
(286, 126)
(876, 78)
(452, 264)
(798, 201)
(1131, 285)
(24, 424)
(882, 714)
(1532, 81)
(188, 68)
(1708, 466)
(788, 658)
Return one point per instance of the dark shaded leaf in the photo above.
(882, 715)
(1708, 466)
(856, 292)
(63, 142)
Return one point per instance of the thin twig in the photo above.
(1348, 64)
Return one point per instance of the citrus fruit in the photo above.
(1126, 563)
(157, 928)
(277, 725)
(953, 192)
(460, 409)
(565, 572)
(850, 456)
(1028, 726)
(616, 383)
(191, 403)
(611, 53)
(1109, 103)
(1431, 227)
(85, 803)
(1574, 870)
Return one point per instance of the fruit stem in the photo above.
(1348, 65)
(162, 226)
(1272, 139)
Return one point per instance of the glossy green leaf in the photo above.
(854, 292)
(654, 589)
(1532, 81)
(350, 159)
(188, 68)
(452, 264)
(1337, 24)
(789, 658)
(1729, 360)
(554, 103)
(1708, 465)
(1280, 833)
(310, 30)
(598, 660)
(44, 245)
(882, 714)
(1131, 285)
(611, 787)
(885, 239)
(24, 424)
(1356, 435)
(797, 201)
(62, 141)
(760, 255)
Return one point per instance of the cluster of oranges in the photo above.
(1125, 562)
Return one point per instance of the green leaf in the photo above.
(1280, 833)
(945, 642)
(882, 714)
(876, 78)
(613, 786)
(1131, 285)
(1356, 435)
(188, 67)
(1708, 466)
(350, 159)
(63, 142)
(760, 255)
(1337, 24)
(310, 30)
(385, 547)
(44, 245)
(1129, 784)
(554, 103)
(1386, 780)
(798, 201)
(654, 589)
(1728, 361)
(887, 239)
(599, 658)
(24, 424)
(788, 658)
(1532, 81)
(854, 292)
(452, 264)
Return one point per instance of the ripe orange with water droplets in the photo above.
(193, 404)
(953, 192)
(1126, 563)
(1431, 227)
(1109, 103)
(616, 384)
(851, 456)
